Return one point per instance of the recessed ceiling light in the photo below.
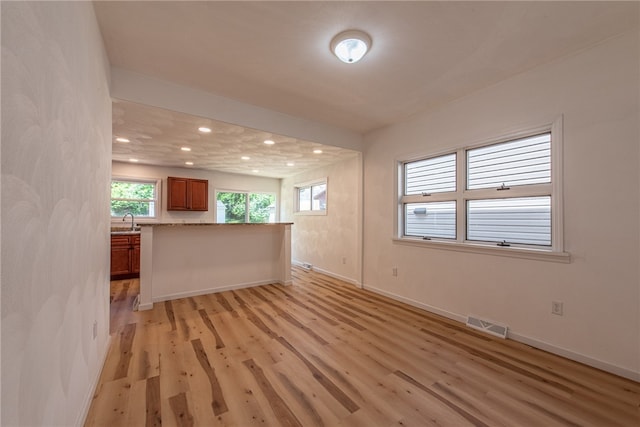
(204, 129)
(133, 160)
(255, 171)
(188, 163)
(290, 164)
(269, 142)
(350, 46)
(120, 139)
(185, 148)
(245, 158)
(317, 151)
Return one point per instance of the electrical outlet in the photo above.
(394, 271)
(556, 308)
(95, 329)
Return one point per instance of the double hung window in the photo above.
(505, 194)
(311, 198)
(136, 196)
(244, 207)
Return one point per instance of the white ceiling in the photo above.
(276, 55)
(157, 136)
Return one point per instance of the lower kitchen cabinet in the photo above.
(125, 256)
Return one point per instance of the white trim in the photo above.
(417, 304)
(487, 249)
(554, 253)
(86, 405)
(312, 183)
(559, 351)
(247, 209)
(355, 282)
(576, 357)
(337, 276)
(179, 295)
(157, 200)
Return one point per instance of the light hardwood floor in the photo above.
(324, 353)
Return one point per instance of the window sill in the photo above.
(534, 254)
(312, 213)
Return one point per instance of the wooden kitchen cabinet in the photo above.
(125, 256)
(187, 194)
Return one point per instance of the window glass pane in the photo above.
(262, 207)
(319, 197)
(235, 207)
(138, 209)
(304, 198)
(435, 175)
(519, 162)
(435, 219)
(138, 198)
(525, 220)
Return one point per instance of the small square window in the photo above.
(311, 198)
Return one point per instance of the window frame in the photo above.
(248, 194)
(310, 184)
(157, 182)
(554, 252)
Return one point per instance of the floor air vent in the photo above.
(486, 326)
(306, 266)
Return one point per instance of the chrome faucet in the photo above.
(125, 216)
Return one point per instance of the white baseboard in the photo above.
(418, 304)
(586, 360)
(578, 357)
(211, 291)
(337, 276)
(329, 273)
(82, 418)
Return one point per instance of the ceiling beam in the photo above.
(135, 87)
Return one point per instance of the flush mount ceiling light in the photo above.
(351, 45)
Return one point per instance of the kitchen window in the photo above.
(311, 198)
(504, 195)
(234, 207)
(136, 196)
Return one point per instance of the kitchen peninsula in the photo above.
(181, 260)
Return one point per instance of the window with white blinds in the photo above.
(503, 194)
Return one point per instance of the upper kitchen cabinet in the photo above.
(186, 194)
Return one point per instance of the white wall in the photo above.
(56, 151)
(326, 241)
(217, 181)
(597, 93)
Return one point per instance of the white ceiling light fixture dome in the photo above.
(350, 46)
